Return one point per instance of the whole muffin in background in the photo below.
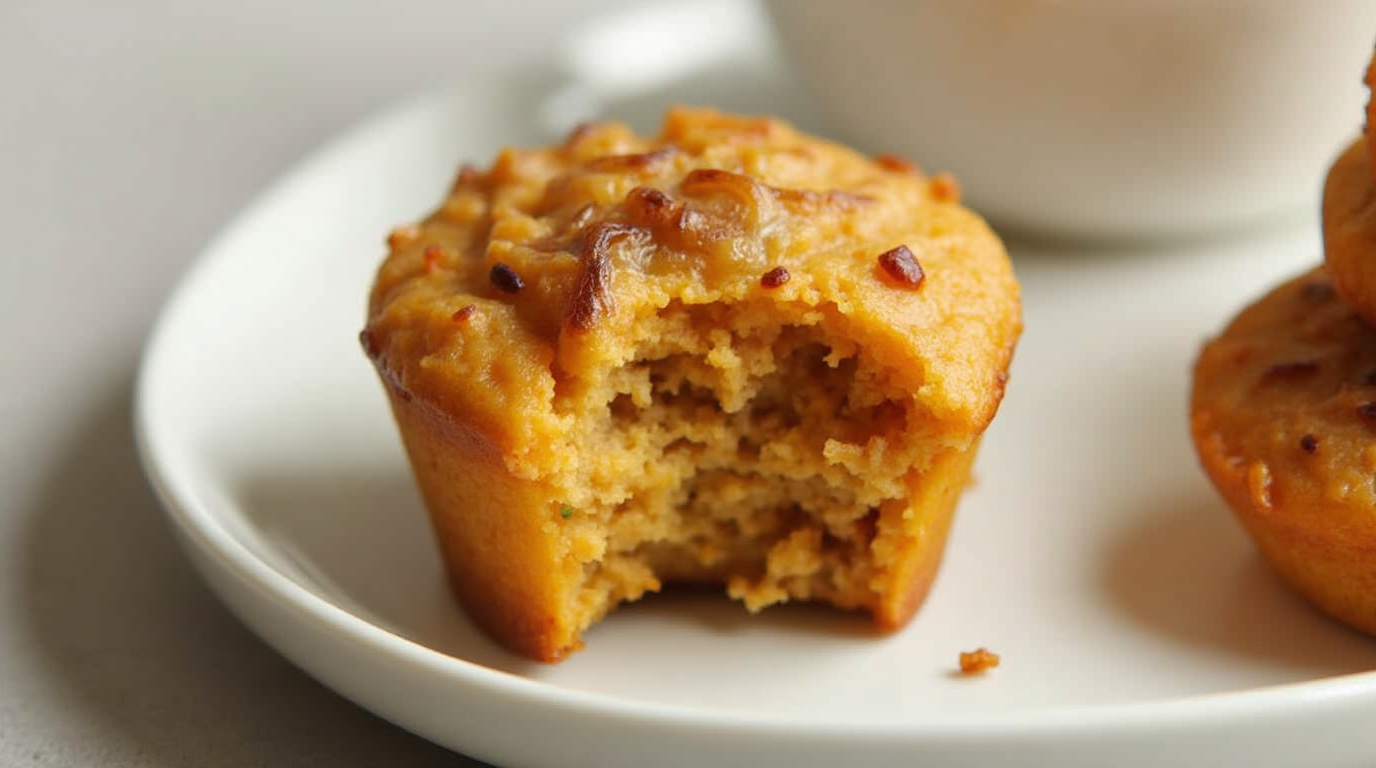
(1283, 415)
(731, 353)
(1283, 408)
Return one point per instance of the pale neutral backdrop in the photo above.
(129, 132)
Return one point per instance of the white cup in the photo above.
(1096, 118)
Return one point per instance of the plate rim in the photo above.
(200, 528)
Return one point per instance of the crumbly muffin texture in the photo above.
(731, 353)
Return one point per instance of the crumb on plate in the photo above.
(978, 661)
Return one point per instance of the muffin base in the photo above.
(501, 544)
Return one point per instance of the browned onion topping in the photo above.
(775, 277)
(900, 264)
(592, 295)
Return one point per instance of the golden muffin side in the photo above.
(730, 353)
(1349, 229)
(1370, 129)
(1283, 416)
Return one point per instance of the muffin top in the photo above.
(540, 269)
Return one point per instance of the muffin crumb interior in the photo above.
(734, 449)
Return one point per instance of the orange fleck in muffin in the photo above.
(729, 354)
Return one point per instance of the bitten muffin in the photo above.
(731, 354)
(1284, 420)
(1349, 229)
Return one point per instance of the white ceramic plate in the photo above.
(1136, 624)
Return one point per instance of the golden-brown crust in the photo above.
(1283, 422)
(489, 525)
(922, 547)
(1349, 229)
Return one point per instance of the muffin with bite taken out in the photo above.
(729, 354)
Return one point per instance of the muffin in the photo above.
(730, 354)
(1284, 420)
(1349, 229)
(1370, 130)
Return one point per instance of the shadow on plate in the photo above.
(358, 537)
(1186, 571)
(139, 656)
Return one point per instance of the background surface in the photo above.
(129, 133)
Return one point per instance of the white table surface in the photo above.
(129, 132)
